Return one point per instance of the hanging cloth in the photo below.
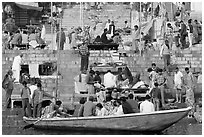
(33, 70)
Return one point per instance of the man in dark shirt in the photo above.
(89, 107)
(127, 109)
(133, 103)
(156, 96)
(183, 34)
(104, 38)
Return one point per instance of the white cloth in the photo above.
(43, 32)
(80, 86)
(178, 77)
(33, 43)
(16, 67)
(32, 88)
(107, 26)
(109, 80)
(33, 70)
(119, 111)
(102, 112)
(146, 107)
(199, 79)
(138, 84)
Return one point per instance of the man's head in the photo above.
(130, 96)
(58, 102)
(177, 69)
(91, 72)
(109, 71)
(24, 83)
(156, 84)
(91, 98)
(39, 85)
(153, 65)
(109, 20)
(99, 105)
(10, 72)
(187, 70)
(105, 30)
(149, 70)
(112, 22)
(136, 27)
(147, 97)
(169, 25)
(82, 100)
(160, 71)
(21, 55)
(126, 22)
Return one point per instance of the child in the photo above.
(25, 95)
(156, 96)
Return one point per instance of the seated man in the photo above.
(89, 108)
(104, 38)
(147, 106)
(133, 103)
(54, 110)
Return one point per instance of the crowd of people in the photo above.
(31, 38)
(157, 84)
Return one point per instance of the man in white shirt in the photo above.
(16, 67)
(32, 87)
(147, 106)
(108, 24)
(178, 78)
(109, 80)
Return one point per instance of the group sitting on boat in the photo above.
(115, 107)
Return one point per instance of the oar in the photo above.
(31, 125)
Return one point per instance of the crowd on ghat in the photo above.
(108, 103)
(91, 83)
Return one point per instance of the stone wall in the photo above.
(69, 64)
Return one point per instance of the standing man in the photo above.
(16, 67)
(190, 32)
(37, 99)
(178, 78)
(165, 54)
(84, 52)
(188, 83)
(7, 85)
(183, 34)
(169, 34)
(161, 80)
(26, 100)
(135, 41)
(112, 29)
(107, 24)
(60, 39)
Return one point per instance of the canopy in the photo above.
(28, 6)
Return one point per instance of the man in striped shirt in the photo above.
(84, 52)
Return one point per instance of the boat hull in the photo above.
(139, 122)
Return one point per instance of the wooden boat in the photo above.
(139, 122)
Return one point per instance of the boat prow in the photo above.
(138, 122)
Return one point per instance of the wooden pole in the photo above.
(140, 23)
(52, 24)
